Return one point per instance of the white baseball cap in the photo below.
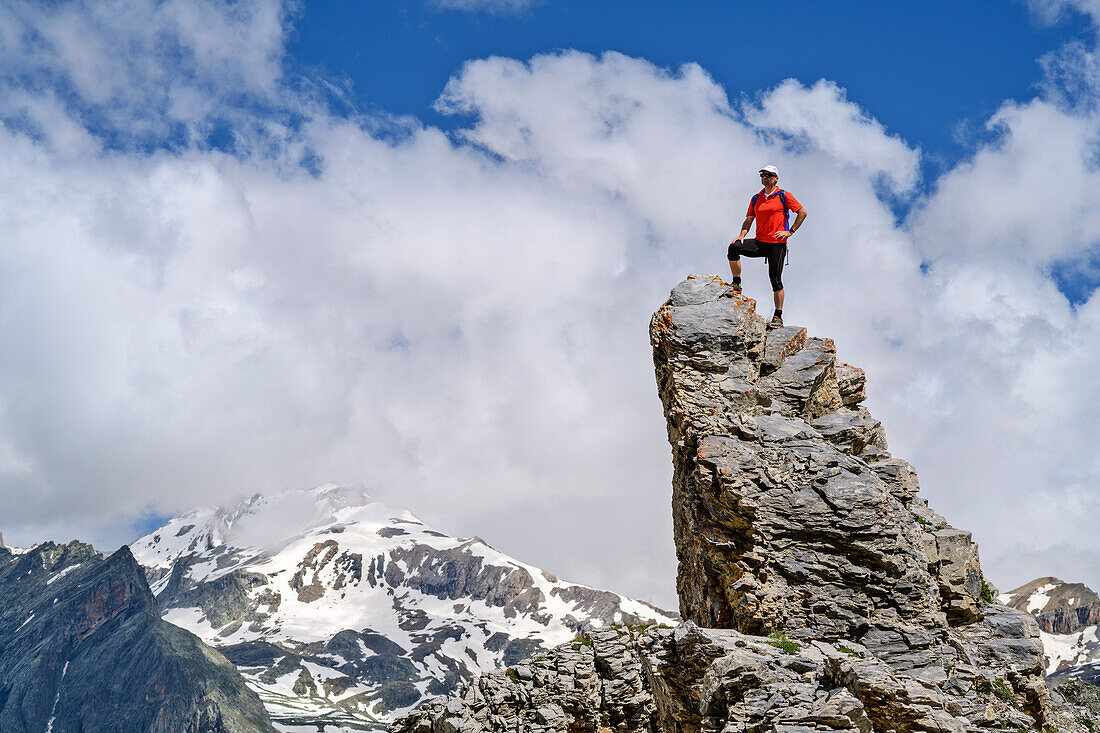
(770, 169)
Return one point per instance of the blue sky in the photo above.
(414, 246)
(931, 72)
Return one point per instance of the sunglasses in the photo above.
(767, 175)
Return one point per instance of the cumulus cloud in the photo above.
(821, 118)
(459, 321)
(1028, 197)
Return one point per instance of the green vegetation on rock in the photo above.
(779, 640)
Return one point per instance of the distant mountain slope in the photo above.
(82, 648)
(338, 608)
(1067, 614)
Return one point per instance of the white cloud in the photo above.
(1028, 197)
(1050, 11)
(489, 6)
(821, 118)
(146, 70)
(460, 322)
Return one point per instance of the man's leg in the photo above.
(733, 254)
(735, 268)
(748, 248)
(775, 274)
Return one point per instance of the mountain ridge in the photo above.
(1067, 615)
(82, 647)
(339, 608)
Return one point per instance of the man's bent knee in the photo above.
(732, 254)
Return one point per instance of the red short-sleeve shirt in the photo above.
(769, 214)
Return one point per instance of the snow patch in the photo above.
(53, 710)
(193, 620)
(1039, 599)
(62, 574)
(1068, 650)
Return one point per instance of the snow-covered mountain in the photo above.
(339, 609)
(1067, 614)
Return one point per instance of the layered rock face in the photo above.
(692, 680)
(790, 514)
(82, 648)
(788, 510)
(820, 592)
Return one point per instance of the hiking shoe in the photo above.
(735, 288)
(775, 322)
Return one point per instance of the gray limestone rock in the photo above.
(851, 430)
(788, 509)
(852, 383)
(819, 591)
(953, 558)
(689, 679)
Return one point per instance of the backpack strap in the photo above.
(782, 200)
(786, 220)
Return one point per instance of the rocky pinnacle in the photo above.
(819, 592)
(789, 513)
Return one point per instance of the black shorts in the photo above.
(774, 252)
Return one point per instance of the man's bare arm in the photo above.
(801, 217)
(745, 226)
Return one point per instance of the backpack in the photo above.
(782, 200)
(786, 214)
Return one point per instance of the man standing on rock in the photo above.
(770, 209)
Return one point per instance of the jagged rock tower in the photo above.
(788, 511)
(831, 598)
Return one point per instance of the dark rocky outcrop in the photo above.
(223, 600)
(83, 648)
(457, 573)
(1058, 607)
(691, 680)
(820, 592)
